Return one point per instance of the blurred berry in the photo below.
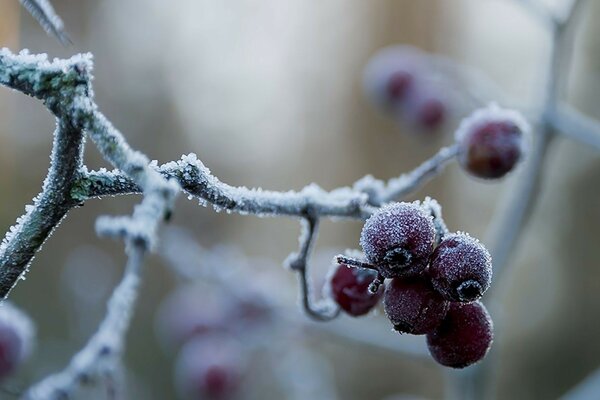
(16, 338)
(464, 336)
(209, 368)
(349, 288)
(491, 142)
(389, 76)
(413, 306)
(461, 268)
(189, 311)
(398, 238)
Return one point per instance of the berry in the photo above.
(209, 368)
(413, 306)
(349, 288)
(428, 112)
(189, 311)
(464, 336)
(491, 142)
(16, 336)
(389, 76)
(398, 239)
(461, 268)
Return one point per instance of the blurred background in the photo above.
(268, 93)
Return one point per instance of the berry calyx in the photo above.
(463, 337)
(349, 288)
(398, 239)
(413, 306)
(491, 142)
(461, 268)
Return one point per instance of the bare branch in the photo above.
(575, 125)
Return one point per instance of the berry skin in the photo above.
(398, 239)
(461, 268)
(209, 368)
(491, 142)
(413, 306)
(464, 336)
(349, 288)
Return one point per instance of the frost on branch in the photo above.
(44, 13)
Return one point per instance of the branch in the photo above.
(400, 187)
(45, 15)
(55, 84)
(197, 180)
(575, 125)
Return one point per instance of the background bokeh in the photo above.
(268, 94)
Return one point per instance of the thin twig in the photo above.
(299, 262)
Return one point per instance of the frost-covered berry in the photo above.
(399, 239)
(413, 306)
(491, 142)
(349, 288)
(16, 337)
(390, 75)
(464, 336)
(461, 268)
(209, 368)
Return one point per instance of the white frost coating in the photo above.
(12, 316)
(492, 113)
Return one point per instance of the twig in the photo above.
(574, 125)
(299, 262)
(400, 187)
(45, 15)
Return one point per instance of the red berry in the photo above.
(389, 76)
(209, 368)
(491, 142)
(464, 336)
(461, 268)
(399, 239)
(413, 306)
(349, 288)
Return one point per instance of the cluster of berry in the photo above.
(212, 331)
(435, 282)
